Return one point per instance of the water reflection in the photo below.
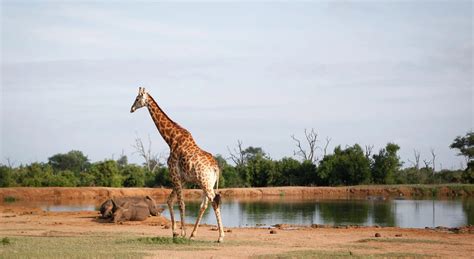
(402, 213)
(258, 212)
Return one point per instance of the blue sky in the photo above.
(367, 72)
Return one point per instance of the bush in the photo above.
(134, 176)
(6, 177)
(106, 174)
(347, 166)
(74, 161)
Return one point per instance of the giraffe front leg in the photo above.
(181, 211)
(170, 202)
(203, 208)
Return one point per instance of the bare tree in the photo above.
(433, 159)
(152, 160)
(10, 163)
(237, 156)
(309, 153)
(328, 139)
(368, 150)
(416, 163)
(427, 163)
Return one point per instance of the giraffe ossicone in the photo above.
(187, 163)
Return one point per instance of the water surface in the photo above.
(266, 212)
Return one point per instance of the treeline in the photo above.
(252, 168)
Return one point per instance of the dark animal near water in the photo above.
(131, 212)
(107, 208)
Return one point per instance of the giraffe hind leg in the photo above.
(216, 201)
(217, 210)
(203, 208)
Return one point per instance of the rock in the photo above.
(398, 235)
(166, 227)
(228, 230)
(273, 231)
(378, 235)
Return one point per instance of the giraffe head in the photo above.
(141, 100)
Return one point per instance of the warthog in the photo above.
(107, 208)
(131, 212)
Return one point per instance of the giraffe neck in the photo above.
(164, 124)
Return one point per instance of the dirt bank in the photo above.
(26, 232)
(100, 193)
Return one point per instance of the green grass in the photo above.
(169, 241)
(339, 254)
(9, 199)
(5, 241)
(310, 254)
(108, 246)
(67, 247)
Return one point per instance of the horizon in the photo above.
(365, 73)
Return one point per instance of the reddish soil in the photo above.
(246, 242)
(101, 193)
(298, 241)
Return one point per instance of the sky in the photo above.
(366, 72)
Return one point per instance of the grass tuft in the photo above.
(166, 240)
(6, 241)
(9, 199)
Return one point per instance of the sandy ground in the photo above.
(17, 221)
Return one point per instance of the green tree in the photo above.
(87, 178)
(134, 176)
(122, 161)
(465, 146)
(35, 175)
(74, 161)
(252, 153)
(385, 164)
(262, 171)
(63, 179)
(307, 174)
(6, 176)
(106, 173)
(289, 170)
(347, 166)
(160, 176)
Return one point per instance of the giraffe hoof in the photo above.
(175, 235)
(220, 240)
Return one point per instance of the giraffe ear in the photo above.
(139, 90)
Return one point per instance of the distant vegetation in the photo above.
(251, 167)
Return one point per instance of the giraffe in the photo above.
(187, 163)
